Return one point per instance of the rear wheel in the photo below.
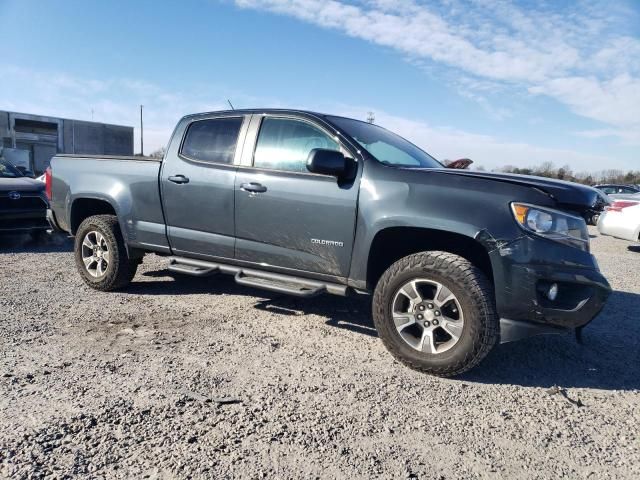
(101, 256)
(435, 312)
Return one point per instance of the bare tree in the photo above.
(546, 169)
(159, 153)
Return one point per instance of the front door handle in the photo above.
(179, 179)
(253, 187)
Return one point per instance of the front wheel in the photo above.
(101, 256)
(435, 312)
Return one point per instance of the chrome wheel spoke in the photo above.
(88, 261)
(427, 342)
(410, 291)
(87, 242)
(443, 295)
(99, 268)
(403, 320)
(452, 327)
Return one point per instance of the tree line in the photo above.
(549, 170)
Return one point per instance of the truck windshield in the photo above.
(385, 146)
(8, 171)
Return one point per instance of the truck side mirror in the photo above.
(327, 162)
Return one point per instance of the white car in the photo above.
(621, 219)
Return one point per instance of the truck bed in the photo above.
(110, 157)
(125, 184)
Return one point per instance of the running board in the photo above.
(275, 282)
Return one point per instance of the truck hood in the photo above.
(567, 194)
(22, 184)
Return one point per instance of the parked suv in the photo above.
(305, 203)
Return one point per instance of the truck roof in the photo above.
(245, 111)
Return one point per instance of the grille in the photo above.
(16, 224)
(23, 203)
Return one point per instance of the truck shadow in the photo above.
(608, 359)
(352, 313)
(45, 243)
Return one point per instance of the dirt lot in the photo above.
(180, 377)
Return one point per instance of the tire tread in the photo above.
(461, 271)
(125, 269)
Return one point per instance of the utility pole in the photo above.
(141, 134)
(371, 117)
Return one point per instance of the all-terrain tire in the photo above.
(121, 268)
(475, 295)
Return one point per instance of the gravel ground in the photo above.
(186, 377)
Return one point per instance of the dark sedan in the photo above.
(23, 202)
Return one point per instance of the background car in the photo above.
(23, 203)
(621, 219)
(615, 189)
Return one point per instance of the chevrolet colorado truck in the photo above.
(303, 203)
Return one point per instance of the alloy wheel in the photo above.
(427, 316)
(95, 254)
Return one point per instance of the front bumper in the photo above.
(21, 221)
(524, 270)
(53, 222)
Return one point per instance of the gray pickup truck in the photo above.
(305, 203)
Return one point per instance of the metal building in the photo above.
(31, 140)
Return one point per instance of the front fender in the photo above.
(474, 208)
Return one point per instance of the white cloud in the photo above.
(485, 150)
(113, 100)
(615, 102)
(576, 56)
(116, 100)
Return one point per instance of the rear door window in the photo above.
(213, 140)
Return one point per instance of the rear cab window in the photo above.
(212, 140)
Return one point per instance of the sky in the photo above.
(497, 81)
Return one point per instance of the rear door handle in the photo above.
(178, 179)
(253, 187)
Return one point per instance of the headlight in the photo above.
(552, 224)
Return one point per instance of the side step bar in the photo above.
(275, 282)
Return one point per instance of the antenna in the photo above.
(371, 117)
(229, 102)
